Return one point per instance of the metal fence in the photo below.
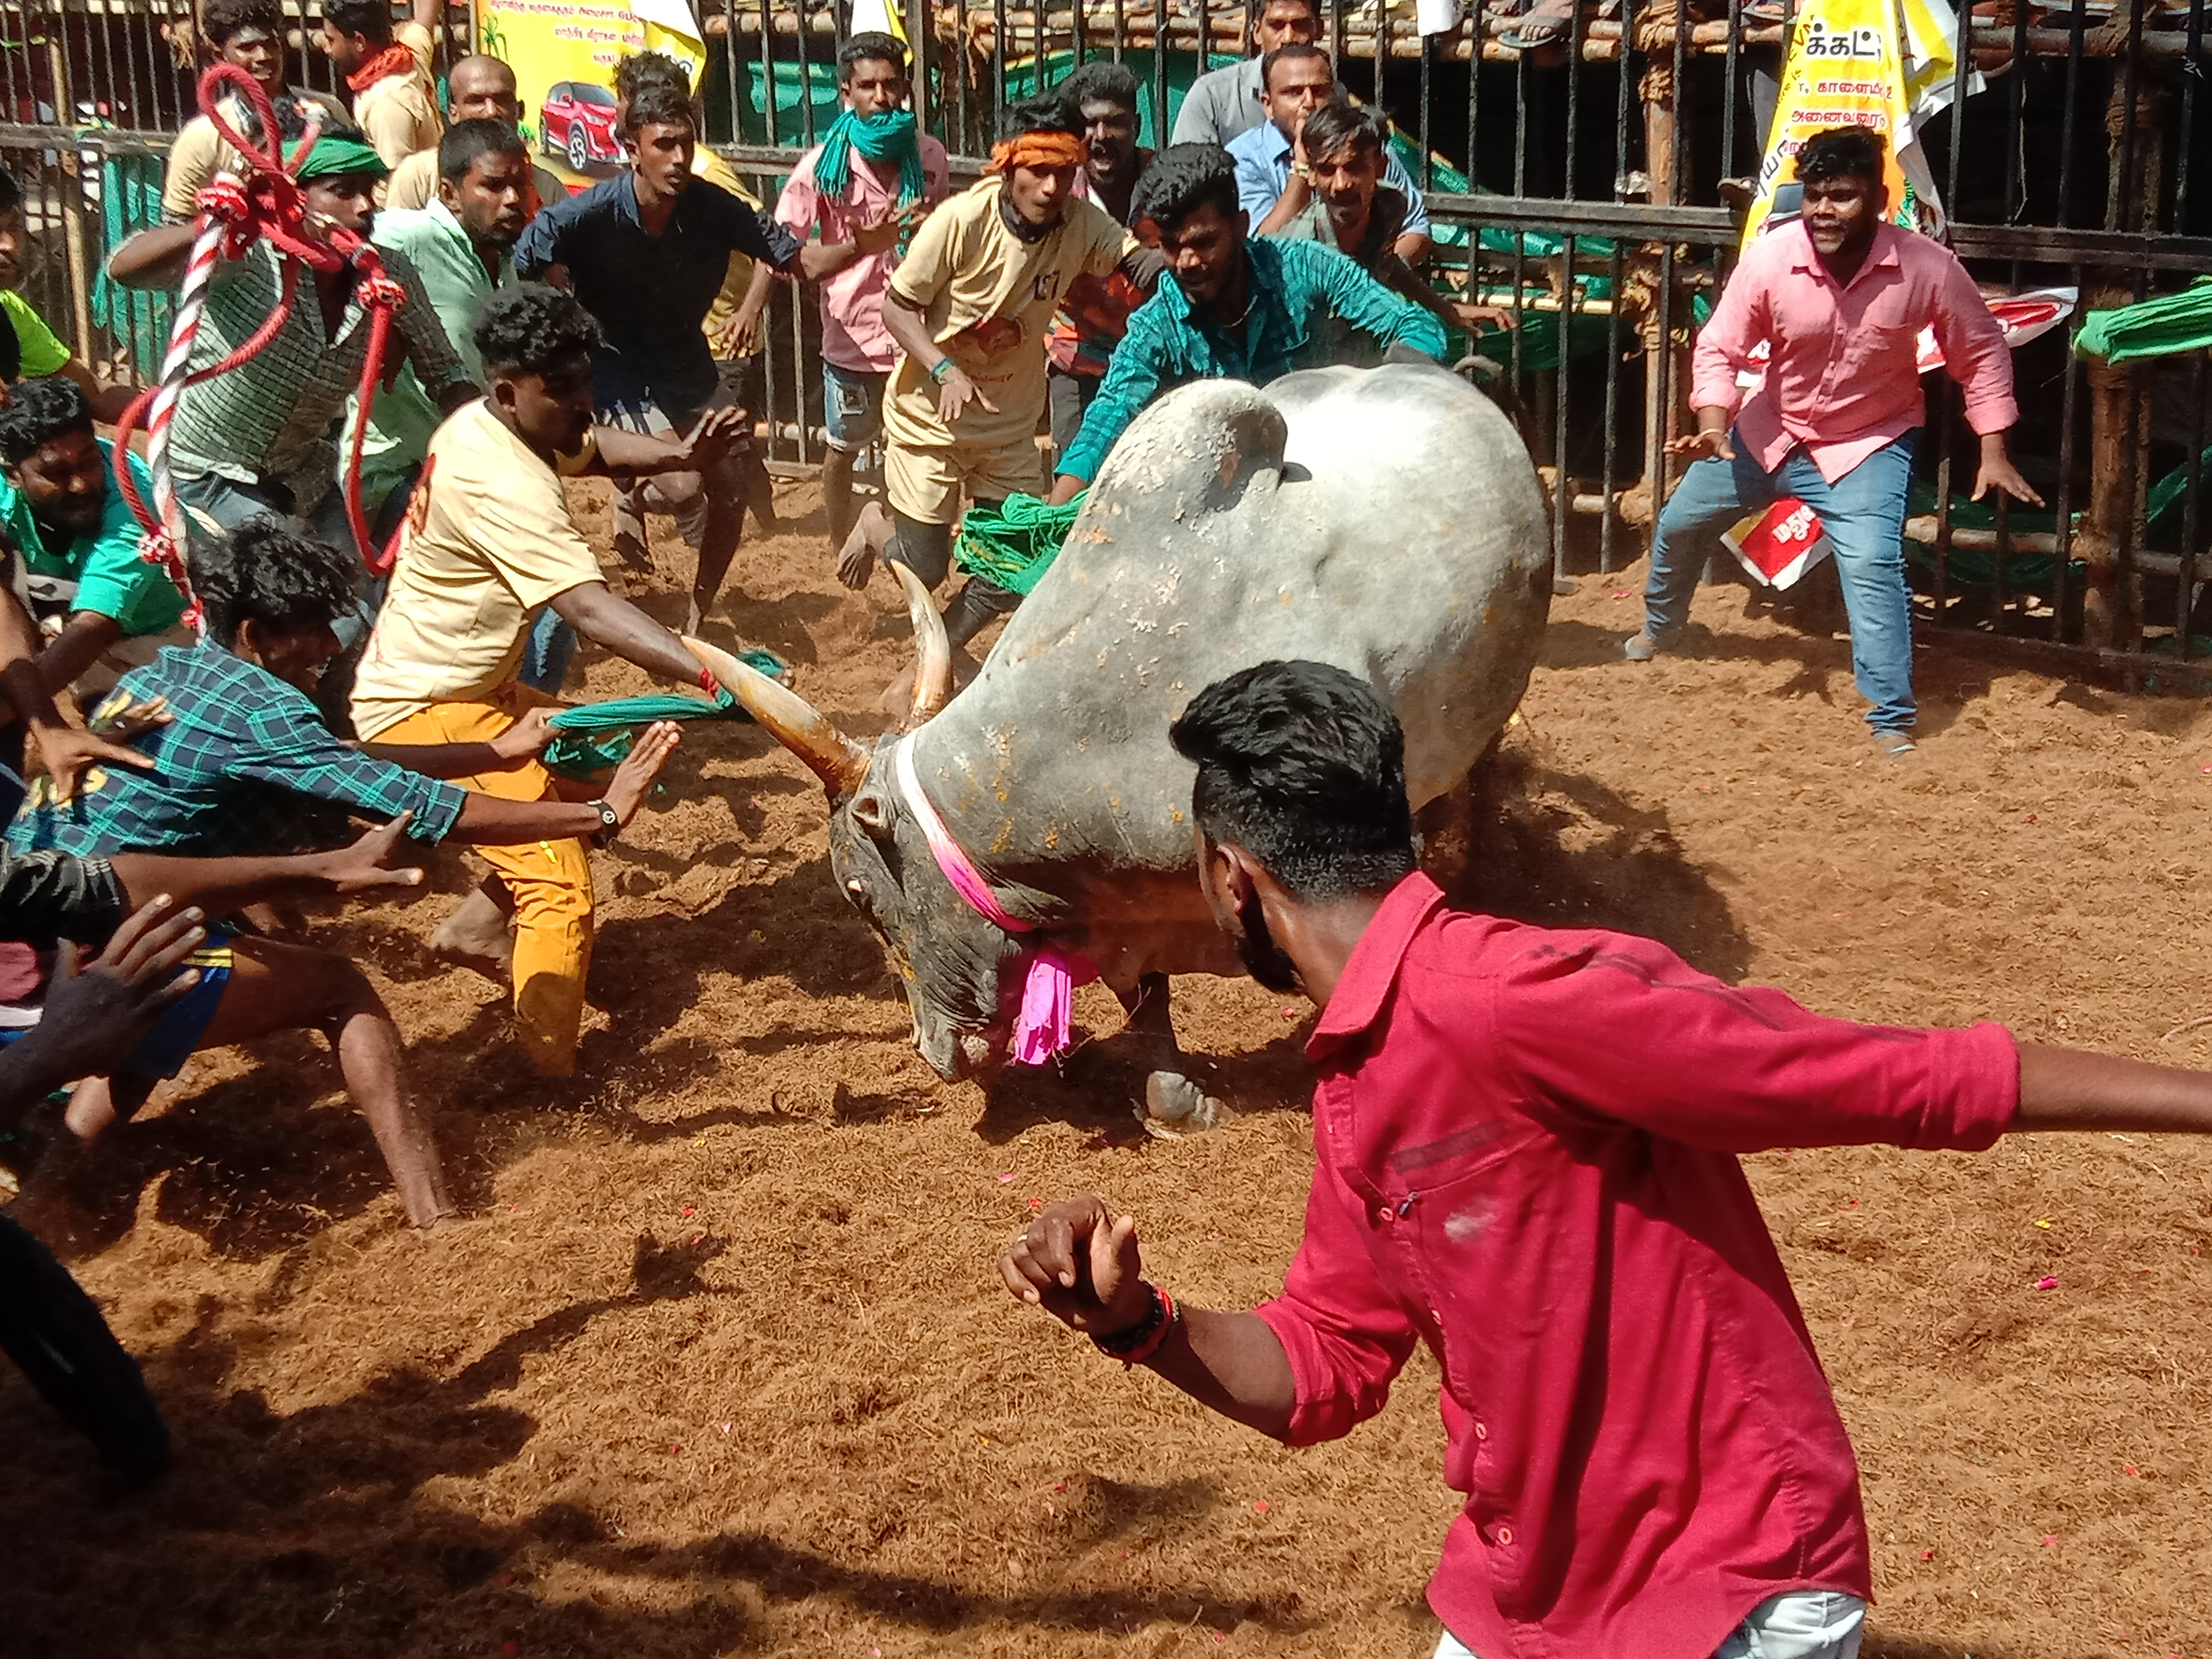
(1583, 186)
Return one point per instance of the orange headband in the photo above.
(1040, 150)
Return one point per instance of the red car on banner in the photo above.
(576, 122)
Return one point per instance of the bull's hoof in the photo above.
(1174, 1104)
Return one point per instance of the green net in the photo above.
(595, 738)
(1015, 543)
(2162, 327)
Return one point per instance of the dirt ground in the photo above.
(717, 1363)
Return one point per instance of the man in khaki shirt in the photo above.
(971, 306)
(388, 72)
(250, 36)
(477, 88)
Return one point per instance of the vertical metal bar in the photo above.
(805, 74)
(1473, 108)
(1382, 54)
(1160, 57)
(1428, 58)
(2077, 20)
(1682, 107)
(1662, 363)
(1562, 491)
(1957, 110)
(770, 124)
(1944, 429)
(1336, 32)
(2062, 497)
(961, 47)
(2119, 186)
(2191, 72)
(2191, 513)
(1731, 89)
(1611, 406)
(1121, 50)
(1574, 109)
(1036, 37)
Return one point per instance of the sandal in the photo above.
(1544, 24)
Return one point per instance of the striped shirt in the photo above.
(267, 420)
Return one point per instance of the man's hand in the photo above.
(1081, 1265)
(955, 392)
(739, 335)
(626, 793)
(1066, 487)
(367, 866)
(1475, 318)
(70, 754)
(1997, 472)
(1706, 441)
(882, 236)
(95, 1016)
(133, 719)
(718, 432)
(527, 738)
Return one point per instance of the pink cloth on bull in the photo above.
(1043, 1028)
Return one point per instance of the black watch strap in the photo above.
(610, 820)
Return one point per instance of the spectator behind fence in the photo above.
(1273, 172)
(38, 350)
(388, 72)
(861, 193)
(248, 34)
(477, 88)
(1224, 104)
(1094, 312)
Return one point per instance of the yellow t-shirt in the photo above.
(487, 543)
(706, 165)
(989, 298)
(397, 114)
(199, 152)
(414, 182)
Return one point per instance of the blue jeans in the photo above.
(1798, 1625)
(1863, 512)
(852, 406)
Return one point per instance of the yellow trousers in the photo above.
(551, 881)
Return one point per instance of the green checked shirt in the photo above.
(270, 417)
(245, 767)
(1297, 290)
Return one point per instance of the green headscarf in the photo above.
(334, 157)
(888, 136)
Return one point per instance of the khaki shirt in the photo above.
(200, 153)
(398, 114)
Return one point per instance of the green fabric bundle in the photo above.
(596, 737)
(2163, 327)
(1015, 543)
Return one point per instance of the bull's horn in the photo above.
(933, 671)
(840, 763)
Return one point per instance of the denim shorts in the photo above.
(852, 406)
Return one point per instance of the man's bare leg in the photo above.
(718, 543)
(629, 527)
(837, 493)
(480, 934)
(863, 543)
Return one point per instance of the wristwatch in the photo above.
(942, 367)
(610, 820)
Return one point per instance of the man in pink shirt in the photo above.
(1842, 297)
(870, 182)
(1525, 1144)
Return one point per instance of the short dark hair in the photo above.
(869, 46)
(644, 68)
(370, 19)
(1291, 54)
(467, 142)
(274, 571)
(11, 193)
(1304, 766)
(1102, 80)
(1841, 152)
(1255, 9)
(1341, 125)
(658, 103)
(37, 413)
(526, 328)
(1047, 112)
(1182, 178)
(221, 19)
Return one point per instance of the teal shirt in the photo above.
(1298, 290)
(97, 570)
(403, 417)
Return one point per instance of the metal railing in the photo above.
(1581, 185)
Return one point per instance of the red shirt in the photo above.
(1526, 1143)
(1845, 375)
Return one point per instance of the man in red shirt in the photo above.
(1526, 1144)
(1841, 296)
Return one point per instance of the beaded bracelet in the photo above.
(1147, 1336)
(942, 367)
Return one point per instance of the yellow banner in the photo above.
(563, 53)
(1845, 68)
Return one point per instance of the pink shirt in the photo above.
(1526, 1147)
(1843, 381)
(853, 332)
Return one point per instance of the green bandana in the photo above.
(334, 158)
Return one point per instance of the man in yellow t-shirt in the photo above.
(487, 545)
(388, 72)
(969, 307)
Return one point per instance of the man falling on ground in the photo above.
(388, 72)
(862, 191)
(646, 252)
(1841, 295)
(1233, 307)
(480, 87)
(970, 306)
(489, 546)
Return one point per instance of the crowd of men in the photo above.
(991, 343)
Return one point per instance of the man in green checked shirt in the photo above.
(1230, 307)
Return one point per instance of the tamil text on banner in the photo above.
(1846, 67)
(1781, 545)
(563, 53)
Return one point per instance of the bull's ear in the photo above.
(873, 812)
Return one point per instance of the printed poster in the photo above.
(564, 52)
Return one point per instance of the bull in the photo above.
(1388, 521)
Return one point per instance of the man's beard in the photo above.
(1264, 959)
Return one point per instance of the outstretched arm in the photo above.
(155, 258)
(596, 612)
(2069, 1088)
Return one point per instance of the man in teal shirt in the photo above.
(77, 541)
(1232, 306)
(459, 244)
